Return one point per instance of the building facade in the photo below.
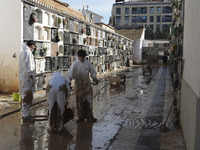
(138, 36)
(141, 14)
(190, 85)
(59, 32)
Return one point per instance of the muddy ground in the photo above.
(129, 118)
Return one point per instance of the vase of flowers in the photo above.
(120, 46)
(43, 51)
(33, 17)
(82, 29)
(74, 40)
(57, 38)
(109, 37)
(84, 40)
(88, 30)
(59, 20)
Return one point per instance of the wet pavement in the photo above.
(129, 118)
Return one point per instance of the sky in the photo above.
(101, 7)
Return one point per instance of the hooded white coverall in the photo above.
(84, 94)
(26, 79)
(58, 92)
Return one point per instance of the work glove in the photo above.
(95, 81)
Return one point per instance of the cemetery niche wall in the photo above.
(59, 36)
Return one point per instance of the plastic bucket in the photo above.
(16, 97)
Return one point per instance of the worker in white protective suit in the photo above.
(58, 92)
(79, 71)
(27, 78)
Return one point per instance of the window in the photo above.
(137, 19)
(167, 19)
(127, 19)
(151, 27)
(151, 10)
(158, 10)
(134, 10)
(167, 9)
(158, 18)
(126, 10)
(118, 19)
(118, 11)
(158, 25)
(139, 10)
(165, 26)
(134, 19)
(143, 18)
(151, 18)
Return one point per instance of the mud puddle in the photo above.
(111, 107)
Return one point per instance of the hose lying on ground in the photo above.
(15, 111)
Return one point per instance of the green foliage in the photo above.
(59, 20)
(114, 21)
(174, 3)
(149, 34)
(158, 33)
(165, 33)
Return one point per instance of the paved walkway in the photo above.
(129, 118)
(144, 130)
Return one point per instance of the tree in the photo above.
(166, 32)
(158, 33)
(113, 20)
(149, 34)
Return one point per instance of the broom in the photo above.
(163, 127)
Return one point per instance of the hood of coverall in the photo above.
(25, 47)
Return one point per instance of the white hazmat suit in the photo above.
(26, 79)
(84, 93)
(58, 92)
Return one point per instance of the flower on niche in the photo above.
(59, 20)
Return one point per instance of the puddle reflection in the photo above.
(26, 137)
(59, 141)
(117, 89)
(84, 136)
(32, 139)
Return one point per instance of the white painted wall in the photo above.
(190, 118)
(108, 28)
(10, 43)
(147, 42)
(188, 115)
(192, 45)
(96, 18)
(137, 57)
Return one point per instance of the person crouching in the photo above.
(58, 92)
